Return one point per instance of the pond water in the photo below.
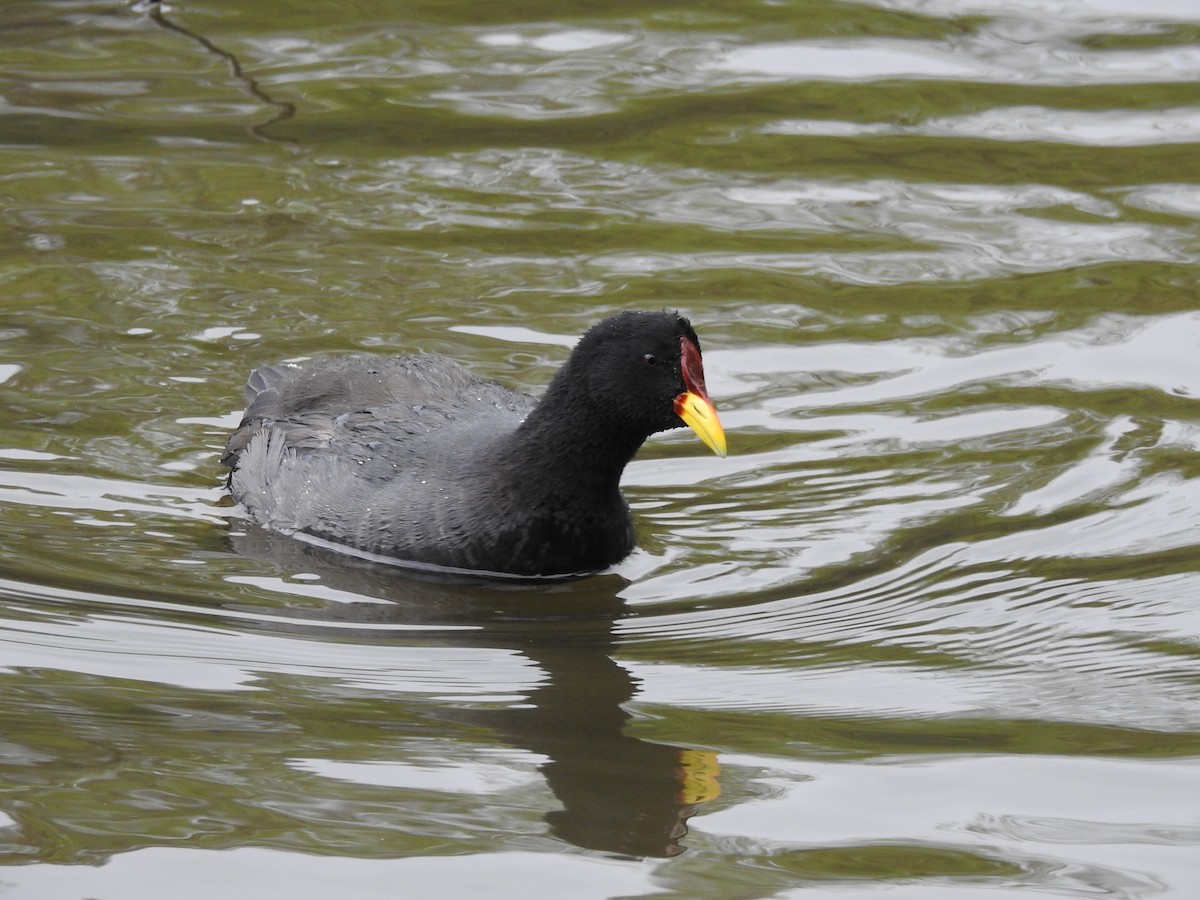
(931, 630)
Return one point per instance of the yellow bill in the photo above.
(700, 415)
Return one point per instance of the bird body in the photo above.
(417, 460)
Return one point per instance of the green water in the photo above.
(931, 630)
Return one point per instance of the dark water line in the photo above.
(283, 110)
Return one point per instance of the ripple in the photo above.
(935, 792)
(105, 495)
(132, 640)
(989, 58)
(557, 41)
(958, 803)
(484, 776)
(937, 231)
(956, 631)
(255, 874)
(868, 60)
(1104, 128)
(942, 258)
(1066, 14)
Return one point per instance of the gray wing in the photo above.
(363, 406)
(372, 452)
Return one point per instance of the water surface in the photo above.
(930, 631)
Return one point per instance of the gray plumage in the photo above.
(415, 459)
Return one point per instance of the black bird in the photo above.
(415, 460)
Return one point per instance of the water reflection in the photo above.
(938, 614)
(619, 794)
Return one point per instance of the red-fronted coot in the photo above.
(418, 461)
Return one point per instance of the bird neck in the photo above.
(568, 433)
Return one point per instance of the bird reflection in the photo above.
(619, 794)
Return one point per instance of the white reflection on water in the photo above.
(106, 495)
(856, 60)
(1118, 14)
(976, 577)
(1110, 822)
(1098, 128)
(258, 874)
(1061, 671)
(936, 230)
(995, 53)
(126, 643)
(556, 41)
(1179, 199)
(483, 775)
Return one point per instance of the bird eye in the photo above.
(651, 359)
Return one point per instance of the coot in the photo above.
(416, 460)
